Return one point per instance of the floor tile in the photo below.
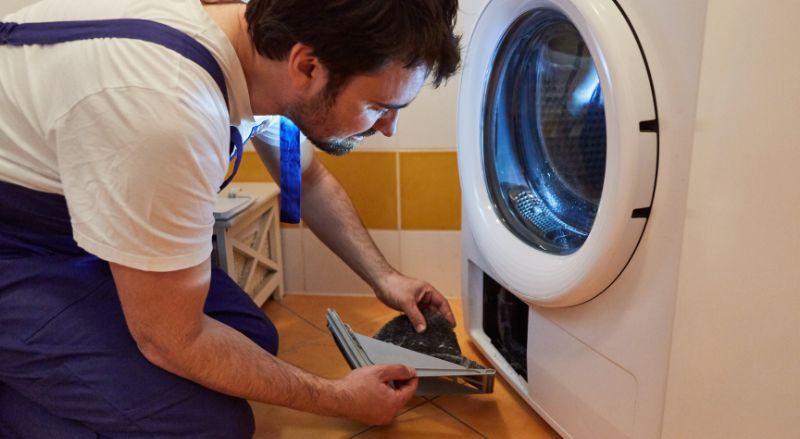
(306, 343)
(273, 422)
(425, 421)
(502, 414)
(293, 331)
(364, 314)
(319, 356)
(322, 357)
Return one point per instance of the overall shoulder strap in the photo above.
(22, 34)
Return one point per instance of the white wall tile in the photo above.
(378, 142)
(430, 121)
(468, 13)
(434, 256)
(292, 254)
(325, 273)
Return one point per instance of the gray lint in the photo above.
(439, 340)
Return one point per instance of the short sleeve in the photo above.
(140, 171)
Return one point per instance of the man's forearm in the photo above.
(329, 213)
(164, 312)
(224, 360)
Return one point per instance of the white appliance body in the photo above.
(601, 319)
(10, 6)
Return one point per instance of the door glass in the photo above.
(544, 133)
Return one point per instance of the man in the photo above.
(112, 150)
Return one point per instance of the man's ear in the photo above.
(306, 72)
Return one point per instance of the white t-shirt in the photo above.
(134, 135)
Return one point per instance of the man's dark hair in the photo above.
(353, 37)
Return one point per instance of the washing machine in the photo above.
(578, 144)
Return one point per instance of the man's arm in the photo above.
(329, 213)
(164, 312)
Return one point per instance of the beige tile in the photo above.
(325, 273)
(425, 421)
(378, 142)
(430, 121)
(468, 13)
(434, 256)
(292, 254)
(370, 179)
(430, 194)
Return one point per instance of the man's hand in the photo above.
(412, 296)
(374, 394)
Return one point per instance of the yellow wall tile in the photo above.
(370, 178)
(251, 169)
(430, 193)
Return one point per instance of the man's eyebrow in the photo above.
(392, 106)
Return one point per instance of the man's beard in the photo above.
(339, 147)
(315, 113)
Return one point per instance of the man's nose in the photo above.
(387, 124)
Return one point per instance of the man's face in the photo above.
(365, 105)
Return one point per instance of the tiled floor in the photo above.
(306, 342)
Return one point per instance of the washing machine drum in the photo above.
(544, 133)
(557, 146)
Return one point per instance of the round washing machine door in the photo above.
(558, 146)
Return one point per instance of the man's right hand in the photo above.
(367, 394)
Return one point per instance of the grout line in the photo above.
(398, 191)
(361, 432)
(303, 256)
(459, 420)
(325, 331)
(425, 401)
(399, 213)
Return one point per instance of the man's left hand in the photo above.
(412, 296)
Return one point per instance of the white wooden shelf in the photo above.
(247, 239)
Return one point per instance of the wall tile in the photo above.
(468, 13)
(251, 169)
(325, 273)
(292, 253)
(378, 142)
(430, 194)
(430, 121)
(434, 256)
(370, 179)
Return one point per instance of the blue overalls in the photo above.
(69, 367)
